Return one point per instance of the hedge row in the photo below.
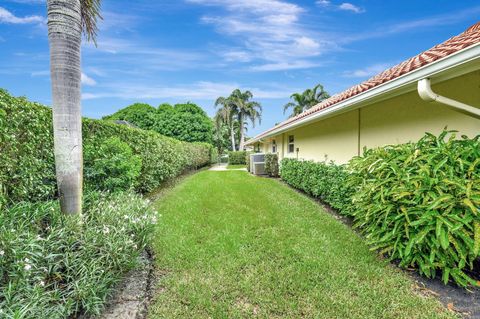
(323, 180)
(237, 158)
(27, 170)
(418, 203)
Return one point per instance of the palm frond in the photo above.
(90, 16)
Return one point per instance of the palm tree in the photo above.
(226, 114)
(307, 99)
(67, 19)
(246, 110)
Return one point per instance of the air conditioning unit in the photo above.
(257, 164)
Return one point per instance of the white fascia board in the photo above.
(378, 93)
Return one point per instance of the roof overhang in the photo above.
(454, 65)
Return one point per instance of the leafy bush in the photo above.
(326, 181)
(52, 266)
(27, 169)
(110, 165)
(247, 160)
(141, 115)
(27, 166)
(237, 158)
(271, 164)
(419, 203)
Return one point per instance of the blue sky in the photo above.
(196, 50)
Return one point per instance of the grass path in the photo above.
(238, 246)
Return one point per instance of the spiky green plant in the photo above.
(419, 203)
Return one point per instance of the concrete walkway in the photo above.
(223, 167)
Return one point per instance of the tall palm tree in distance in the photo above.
(246, 110)
(67, 19)
(307, 99)
(226, 114)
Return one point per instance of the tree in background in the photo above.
(227, 115)
(307, 99)
(67, 19)
(247, 111)
(221, 135)
(141, 115)
(187, 122)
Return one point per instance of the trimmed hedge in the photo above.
(237, 158)
(271, 165)
(27, 170)
(326, 181)
(419, 203)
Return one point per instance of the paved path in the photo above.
(223, 167)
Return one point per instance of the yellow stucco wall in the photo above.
(398, 120)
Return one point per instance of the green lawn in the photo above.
(233, 245)
(232, 166)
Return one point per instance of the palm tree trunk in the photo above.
(65, 35)
(242, 133)
(232, 136)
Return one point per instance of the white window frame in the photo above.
(274, 146)
(291, 143)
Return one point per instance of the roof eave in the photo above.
(383, 91)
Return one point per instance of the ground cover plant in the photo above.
(419, 203)
(53, 266)
(237, 246)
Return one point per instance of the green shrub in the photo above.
(52, 266)
(326, 181)
(110, 165)
(27, 166)
(247, 160)
(27, 169)
(271, 165)
(419, 203)
(237, 158)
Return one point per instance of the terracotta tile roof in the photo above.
(468, 38)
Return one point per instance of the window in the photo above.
(274, 146)
(291, 144)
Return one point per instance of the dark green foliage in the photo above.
(271, 165)
(53, 266)
(237, 158)
(186, 122)
(420, 203)
(326, 181)
(141, 115)
(27, 169)
(247, 160)
(110, 165)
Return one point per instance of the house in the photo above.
(436, 89)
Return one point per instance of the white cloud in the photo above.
(203, 90)
(281, 66)
(88, 81)
(268, 33)
(368, 71)
(345, 6)
(8, 17)
(350, 7)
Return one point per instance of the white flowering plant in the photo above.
(56, 266)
